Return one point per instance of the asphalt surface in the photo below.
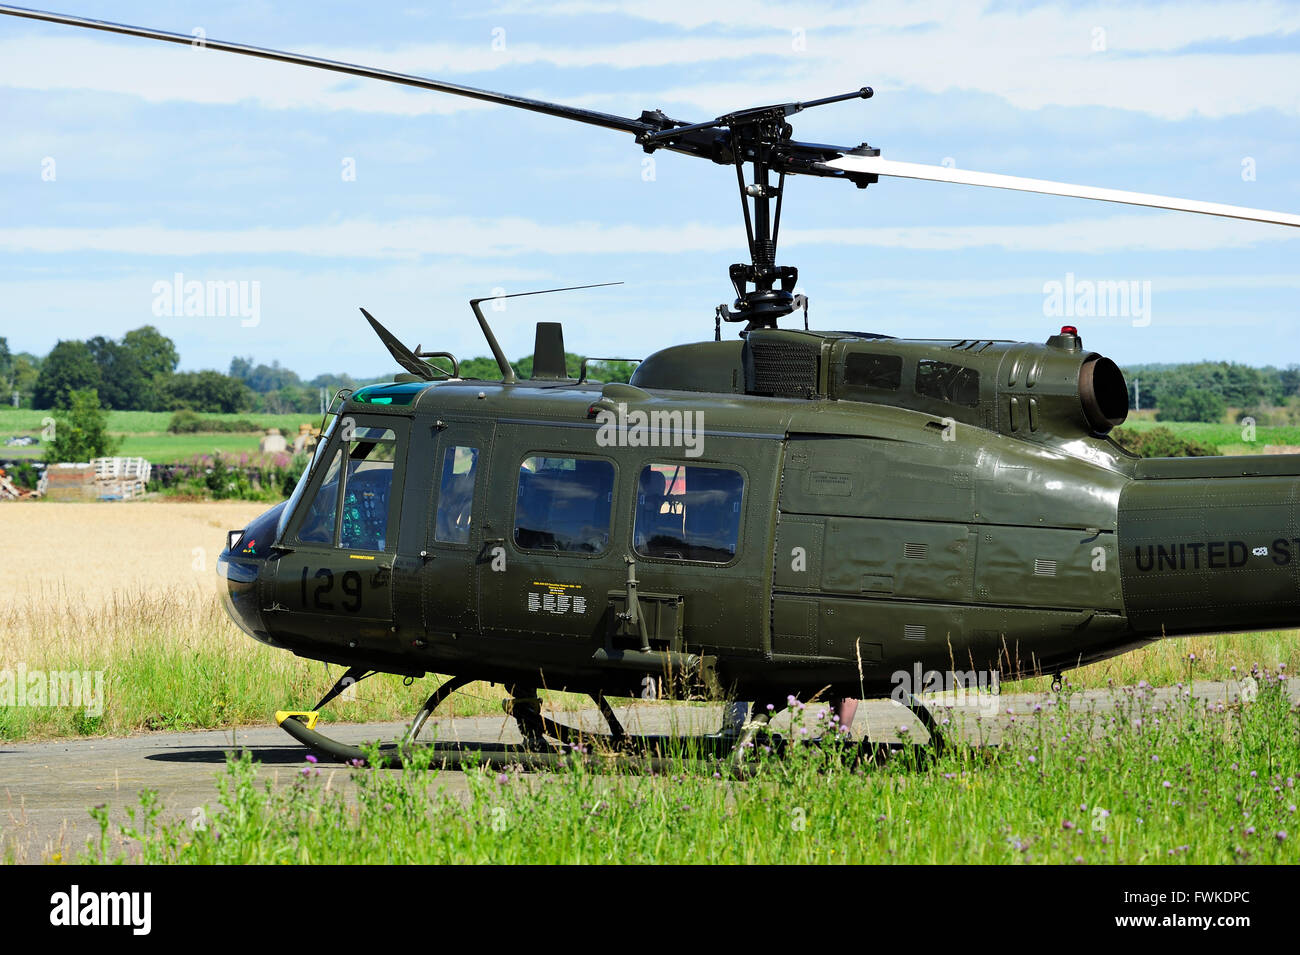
(46, 789)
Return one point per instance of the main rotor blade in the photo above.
(591, 117)
(910, 170)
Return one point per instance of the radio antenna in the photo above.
(508, 373)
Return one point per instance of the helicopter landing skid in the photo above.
(652, 754)
(616, 749)
(879, 753)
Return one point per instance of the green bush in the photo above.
(1192, 404)
(1272, 416)
(1160, 443)
(186, 421)
(221, 477)
(24, 474)
(81, 431)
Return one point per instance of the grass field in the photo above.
(1227, 438)
(145, 434)
(175, 662)
(1184, 782)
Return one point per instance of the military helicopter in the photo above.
(781, 514)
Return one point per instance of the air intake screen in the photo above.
(783, 369)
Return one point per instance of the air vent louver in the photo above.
(783, 369)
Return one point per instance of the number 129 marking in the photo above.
(351, 587)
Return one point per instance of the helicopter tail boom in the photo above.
(1211, 545)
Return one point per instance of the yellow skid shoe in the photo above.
(311, 716)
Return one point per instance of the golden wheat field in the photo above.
(129, 589)
(92, 553)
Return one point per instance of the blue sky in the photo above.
(173, 160)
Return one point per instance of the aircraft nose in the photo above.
(238, 591)
(239, 567)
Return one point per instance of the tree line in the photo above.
(1204, 391)
(138, 373)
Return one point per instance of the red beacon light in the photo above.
(1069, 330)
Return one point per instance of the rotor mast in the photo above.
(759, 138)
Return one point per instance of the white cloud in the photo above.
(1029, 56)
(1002, 287)
(410, 238)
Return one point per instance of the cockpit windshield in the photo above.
(350, 507)
(305, 477)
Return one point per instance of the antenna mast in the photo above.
(507, 372)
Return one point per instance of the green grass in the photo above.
(141, 422)
(145, 433)
(175, 662)
(1184, 782)
(1226, 437)
(1165, 662)
(168, 448)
